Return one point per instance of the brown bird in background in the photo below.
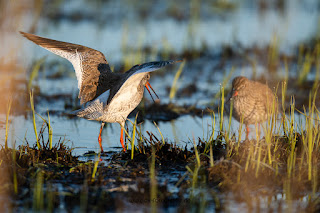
(105, 96)
(253, 101)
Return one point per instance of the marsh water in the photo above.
(217, 39)
(124, 30)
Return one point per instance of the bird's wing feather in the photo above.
(94, 109)
(264, 97)
(90, 65)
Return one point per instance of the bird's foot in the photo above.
(123, 147)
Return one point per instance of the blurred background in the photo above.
(270, 41)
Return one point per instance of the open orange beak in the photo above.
(235, 93)
(149, 85)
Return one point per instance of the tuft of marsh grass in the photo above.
(48, 123)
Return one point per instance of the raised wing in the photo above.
(133, 79)
(91, 67)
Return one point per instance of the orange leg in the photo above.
(247, 132)
(121, 140)
(99, 138)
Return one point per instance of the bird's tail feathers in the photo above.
(91, 112)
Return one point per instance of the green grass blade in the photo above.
(133, 136)
(35, 71)
(7, 124)
(50, 131)
(173, 89)
(221, 108)
(34, 119)
(196, 152)
(159, 132)
(95, 167)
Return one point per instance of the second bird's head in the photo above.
(238, 84)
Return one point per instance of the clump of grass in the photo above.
(41, 152)
(28, 167)
(166, 153)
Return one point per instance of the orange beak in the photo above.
(235, 93)
(149, 85)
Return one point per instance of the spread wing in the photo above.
(134, 78)
(91, 67)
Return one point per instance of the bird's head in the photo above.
(238, 84)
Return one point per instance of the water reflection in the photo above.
(83, 134)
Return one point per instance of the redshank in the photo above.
(105, 96)
(252, 101)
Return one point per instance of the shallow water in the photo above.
(245, 25)
(82, 134)
(121, 29)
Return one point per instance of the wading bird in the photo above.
(105, 96)
(253, 102)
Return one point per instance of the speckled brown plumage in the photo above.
(252, 101)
